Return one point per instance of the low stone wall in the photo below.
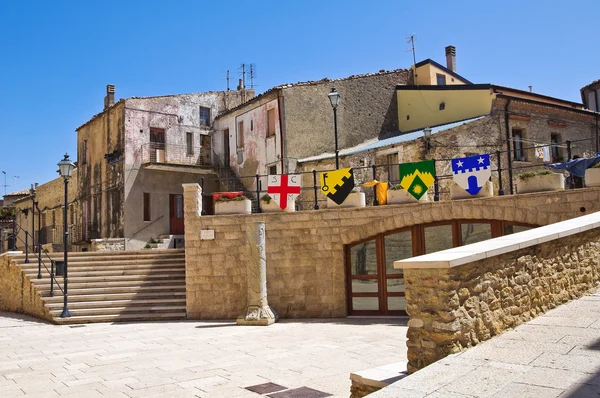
(107, 245)
(454, 308)
(17, 293)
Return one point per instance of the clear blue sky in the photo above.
(56, 57)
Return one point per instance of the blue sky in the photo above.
(57, 57)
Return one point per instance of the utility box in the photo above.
(59, 268)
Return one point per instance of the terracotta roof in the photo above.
(18, 193)
(308, 83)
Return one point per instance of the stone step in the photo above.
(115, 289)
(58, 303)
(117, 283)
(122, 279)
(120, 318)
(159, 295)
(119, 254)
(120, 310)
(112, 272)
(109, 264)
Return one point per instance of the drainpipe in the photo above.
(285, 164)
(597, 150)
(508, 149)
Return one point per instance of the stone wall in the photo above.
(454, 308)
(305, 250)
(17, 292)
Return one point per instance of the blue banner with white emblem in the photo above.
(472, 172)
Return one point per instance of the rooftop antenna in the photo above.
(227, 79)
(243, 68)
(411, 40)
(252, 75)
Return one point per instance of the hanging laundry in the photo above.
(539, 151)
(547, 157)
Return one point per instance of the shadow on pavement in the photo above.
(20, 317)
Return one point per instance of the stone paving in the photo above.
(554, 355)
(190, 358)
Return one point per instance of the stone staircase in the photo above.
(115, 286)
(231, 182)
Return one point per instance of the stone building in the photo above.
(590, 95)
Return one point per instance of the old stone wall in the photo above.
(453, 309)
(17, 293)
(305, 250)
(367, 109)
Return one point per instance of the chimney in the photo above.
(109, 100)
(451, 58)
(240, 86)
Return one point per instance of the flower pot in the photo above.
(458, 192)
(592, 177)
(233, 207)
(273, 207)
(541, 183)
(400, 196)
(355, 199)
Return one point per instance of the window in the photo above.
(240, 134)
(146, 206)
(83, 159)
(441, 79)
(189, 140)
(438, 238)
(53, 218)
(393, 168)
(204, 116)
(271, 122)
(518, 145)
(554, 140)
(475, 232)
(272, 170)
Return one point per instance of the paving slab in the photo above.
(555, 355)
(189, 358)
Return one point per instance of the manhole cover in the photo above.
(266, 388)
(302, 392)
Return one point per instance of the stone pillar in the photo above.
(258, 312)
(192, 200)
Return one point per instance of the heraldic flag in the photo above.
(472, 172)
(337, 184)
(283, 189)
(417, 177)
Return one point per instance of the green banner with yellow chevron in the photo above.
(337, 184)
(417, 177)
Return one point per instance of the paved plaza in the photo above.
(190, 358)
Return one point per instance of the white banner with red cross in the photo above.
(284, 188)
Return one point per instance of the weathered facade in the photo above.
(134, 156)
(271, 132)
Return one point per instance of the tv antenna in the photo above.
(252, 75)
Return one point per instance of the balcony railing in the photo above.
(154, 153)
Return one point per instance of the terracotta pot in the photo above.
(233, 207)
(542, 183)
(458, 192)
(273, 207)
(592, 177)
(355, 199)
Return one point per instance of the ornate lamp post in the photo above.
(65, 168)
(427, 135)
(334, 98)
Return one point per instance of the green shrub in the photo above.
(396, 187)
(529, 174)
(226, 199)
(266, 198)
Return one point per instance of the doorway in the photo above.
(157, 145)
(226, 152)
(176, 214)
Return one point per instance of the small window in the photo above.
(441, 79)
(251, 125)
(519, 154)
(393, 168)
(83, 159)
(146, 206)
(271, 122)
(189, 140)
(555, 140)
(272, 170)
(204, 116)
(240, 134)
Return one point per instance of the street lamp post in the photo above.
(65, 168)
(334, 98)
(427, 135)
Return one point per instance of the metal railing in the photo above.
(155, 153)
(253, 185)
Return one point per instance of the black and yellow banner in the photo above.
(337, 184)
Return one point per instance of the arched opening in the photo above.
(375, 287)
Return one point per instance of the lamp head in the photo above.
(334, 98)
(66, 167)
(427, 132)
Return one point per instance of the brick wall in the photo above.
(305, 250)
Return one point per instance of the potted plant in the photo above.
(592, 176)
(233, 205)
(397, 195)
(458, 192)
(7, 212)
(540, 181)
(268, 205)
(354, 199)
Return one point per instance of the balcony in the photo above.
(175, 155)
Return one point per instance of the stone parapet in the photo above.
(459, 297)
